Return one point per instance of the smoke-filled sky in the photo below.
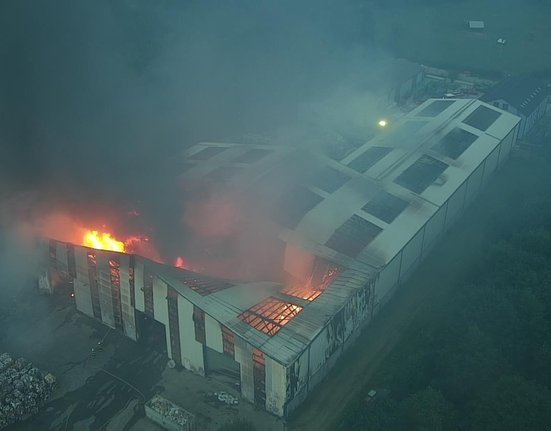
(98, 98)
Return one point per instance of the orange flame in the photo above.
(179, 262)
(103, 241)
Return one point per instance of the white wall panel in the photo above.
(213, 334)
(138, 285)
(192, 351)
(276, 386)
(268, 383)
(244, 356)
(81, 264)
(411, 253)
(160, 309)
(301, 370)
(317, 351)
(364, 299)
(128, 319)
(523, 128)
(61, 256)
(434, 228)
(474, 183)
(350, 316)
(387, 278)
(83, 298)
(455, 205)
(506, 146)
(491, 164)
(104, 287)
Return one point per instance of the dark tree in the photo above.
(427, 410)
(512, 404)
(238, 424)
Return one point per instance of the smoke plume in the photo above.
(99, 99)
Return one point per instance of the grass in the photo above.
(434, 33)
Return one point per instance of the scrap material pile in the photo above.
(168, 414)
(226, 398)
(23, 389)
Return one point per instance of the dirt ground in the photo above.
(456, 251)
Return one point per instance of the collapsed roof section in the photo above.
(270, 315)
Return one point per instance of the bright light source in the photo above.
(382, 123)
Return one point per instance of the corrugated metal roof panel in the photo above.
(318, 222)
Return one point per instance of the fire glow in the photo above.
(102, 241)
(63, 227)
(135, 244)
(270, 315)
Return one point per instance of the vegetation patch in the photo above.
(480, 356)
(434, 32)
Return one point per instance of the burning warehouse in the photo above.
(351, 230)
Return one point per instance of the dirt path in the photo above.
(456, 251)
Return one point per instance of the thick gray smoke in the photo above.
(99, 98)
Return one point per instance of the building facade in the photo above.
(357, 226)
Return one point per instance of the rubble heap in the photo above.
(169, 414)
(23, 389)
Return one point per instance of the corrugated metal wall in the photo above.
(83, 298)
(139, 283)
(276, 386)
(83, 294)
(104, 291)
(104, 287)
(387, 278)
(192, 350)
(491, 164)
(174, 325)
(474, 184)
(244, 356)
(434, 228)
(507, 144)
(61, 256)
(455, 205)
(213, 334)
(411, 254)
(127, 295)
(160, 309)
(322, 353)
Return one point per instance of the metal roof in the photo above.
(523, 92)
(377, 200)
(476, 24)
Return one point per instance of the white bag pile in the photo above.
(23, 389)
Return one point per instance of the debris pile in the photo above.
(23, 389)
(168, 414)
(226, 398)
